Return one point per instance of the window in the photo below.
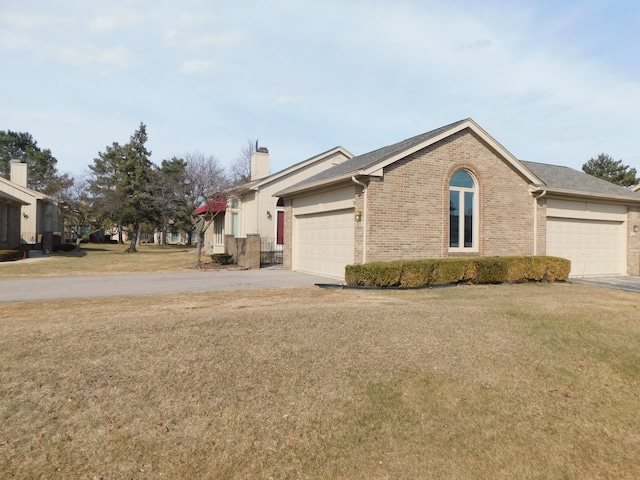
(218, 230)
(462, 208)
(4, 222)
(234, 224)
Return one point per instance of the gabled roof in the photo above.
(27, 191)
(373, 162)
(564, 180)
(257, 184)
(12, 199)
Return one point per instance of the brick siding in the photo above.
(408, 209)
(633, 241)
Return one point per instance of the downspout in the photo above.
(535, 221)
(364, 220)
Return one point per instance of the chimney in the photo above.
(18, 172)
(260, 164)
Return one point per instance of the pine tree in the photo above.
(606, 168)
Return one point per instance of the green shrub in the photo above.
(480, 270)
(490, 270)
(9, 255)
(222, 258)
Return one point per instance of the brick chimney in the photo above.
(260, 164)
(18, 172)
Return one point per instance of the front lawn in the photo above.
(501, 382)
(104, 259)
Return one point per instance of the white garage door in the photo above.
(595, 247)
(324, 242)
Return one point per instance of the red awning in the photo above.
(217, 205)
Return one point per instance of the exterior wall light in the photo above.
(269, 215)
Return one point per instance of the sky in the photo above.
(554, 81)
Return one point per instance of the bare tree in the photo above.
(241, 167)
(82, 212)
(207, 183)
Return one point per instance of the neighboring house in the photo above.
(40, 216)
(452, 192)
(253, 210)
(10, 215)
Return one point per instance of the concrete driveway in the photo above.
(53, 288)
(626, 283)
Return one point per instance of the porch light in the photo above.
(636, 228)
(268, 214)
(358, 217)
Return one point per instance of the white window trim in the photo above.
(476, 218)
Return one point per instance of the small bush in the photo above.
(65, 247)
(480, 270)
(9, 255)
(222, 258)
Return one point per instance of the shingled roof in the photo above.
(565, 178)
(561, 180)
(356, 164)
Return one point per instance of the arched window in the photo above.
(462, 211)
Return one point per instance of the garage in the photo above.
(591, 235)
(324, 242)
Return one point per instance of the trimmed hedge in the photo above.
(480, 270)
(9, 255)
(222, 258)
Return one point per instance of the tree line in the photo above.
(125, 191)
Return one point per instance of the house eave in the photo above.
(300, 166)
(377, 168)
(575, 194)
(323, 184)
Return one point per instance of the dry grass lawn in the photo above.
(105, 259)
(500, 382)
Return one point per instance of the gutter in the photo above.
(364, 220)
(602, 197)
(542, 193)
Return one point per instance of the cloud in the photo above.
(197, 66)
(289, 99)
(108, 59)
(115, 20)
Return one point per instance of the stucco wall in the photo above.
(408, 210)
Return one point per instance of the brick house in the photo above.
(455, 191)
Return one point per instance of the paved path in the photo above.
(626, 283)
(28, 289)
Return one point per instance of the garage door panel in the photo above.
(324, 242)
(595, 247)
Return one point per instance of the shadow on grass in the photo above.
(71, 254)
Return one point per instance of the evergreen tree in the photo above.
(137, 183)
(42, 175)
(606, 168)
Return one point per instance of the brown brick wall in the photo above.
(408, 210)
(245, 251)
(633, 241)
